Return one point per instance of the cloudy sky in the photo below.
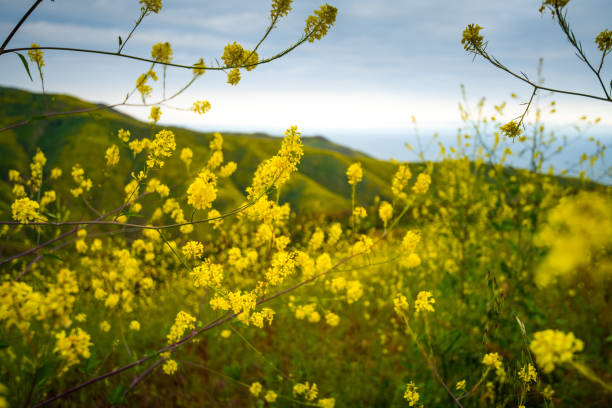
(381, 63)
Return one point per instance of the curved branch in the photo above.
(14, 31)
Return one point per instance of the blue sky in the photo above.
(381, 63)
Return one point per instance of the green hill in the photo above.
(319, 187)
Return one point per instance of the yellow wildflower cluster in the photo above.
(142, 87)
(354, 173)
(604, 41)
(161, 148)
(385, 212)
(309, 392)
(318, 25)
(207, 274)
(36, 170)
(199, 67)
(154, 6)
(186, 156)
(70, 347)
(183, 322)
(36, 55)
(193, 250)
(112, 156)
(422, 183)
(155, 114)
(25, 210)
(472, 40)
(424, 302)
(280, 8)
(400, 304)
(493, 360)
(162, 52)
(553, 347)
(83, 184)
(201, 107)
(411, 394)
(400, 181)
(528, 374)
(511, 129)
(203, 191)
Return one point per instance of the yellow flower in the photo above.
(460, 386)
(326, 402)
(25, 210)
(354, 173)
(424, 302)
(411, 395)
(422, 184)
(226, 333)
(233, 77)
(105, 326)
(134, 325)
(385, 211)
(112, 156)
(255, 389)
(170, 367)
(472, 40)
(201, 107)
(528, 374)
(332, 319)
(280, 8)
(400, 304)
(270, 396)
(162, 147)
(184, 321)
(553, 347)
(186, 155)
(55, 173)
(162, 52)
(198, 68)
(203, 191)
(318, 25)
(36, 55)
(511, 129)
(604, 40)
(410, 241)
(193, 250)
(72, 346)
(155, 114)
(151, 5)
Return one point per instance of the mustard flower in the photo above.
(424, 302)
(233, 77)
(201, 107)
(151, 5)
(203, 191)
(472, 40)
(105, 326)
(494, 360)
(36, 55)
(385, 212)
(198, 67)
(162, 147)
(511, 129)
(411, 395)
(528, 374)
(354, 173)
(460, 386)
(70, 347)
(233, 55)
(255, 389)
(280, 8)
(25, 210)
(170, 367)
(184, 321)
(162, 52)
(422, 184)
(604, 41)
(193, 250)
(318, 25)
(155, 114)
(270, 396)
(217, 142)
(400, 181)
(135, 325)
(400, 304)
(186, 156)
(112, 156)
(228, 169)
(207, 274)
(332, 319)
(410, 241)
(553, 347)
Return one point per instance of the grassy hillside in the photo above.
(320, 186)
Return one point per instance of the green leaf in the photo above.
(46, 371)
(25, 65)
(116, 395)
(120, 41)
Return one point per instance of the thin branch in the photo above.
(14, 31)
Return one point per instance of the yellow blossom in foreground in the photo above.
(317, 25)
(410, 241)
(385, 211)
(203, 191)
(25, 210)
(494, 360)
(255, 389)
(134, 325)
(280, 8)
(553, 347)
(184, 321)
(604, 40)
(161, 148)
(233, 77)
(411, 395)
(354, 173)
(424, 302)
(170, 367)
(511, 129)
(400, 181)
(72, 346)
(472, 40)
(193, 250)
(528, 374)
